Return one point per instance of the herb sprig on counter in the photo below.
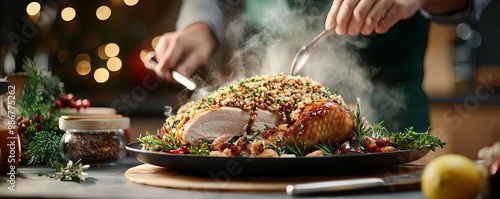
(70, 171)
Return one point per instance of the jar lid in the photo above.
(95, 122)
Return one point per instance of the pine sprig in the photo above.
(45, 147)
(40, 90)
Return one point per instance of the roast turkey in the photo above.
(302, 110)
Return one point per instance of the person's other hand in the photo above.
(367, 16)
(184, 50)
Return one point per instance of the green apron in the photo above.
(399, 55)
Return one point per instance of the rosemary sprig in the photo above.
(327, 148)
(409, 139)
(359, 133)
(295, 148)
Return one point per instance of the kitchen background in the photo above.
(97, 49)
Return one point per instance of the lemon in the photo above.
(451, 176)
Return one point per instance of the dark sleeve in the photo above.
(472, 12)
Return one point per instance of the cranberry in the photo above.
(19, 119)
(85, 103)
(70, 97)
(38, 126)
(26, 122)
(58, 103)
(37, 118)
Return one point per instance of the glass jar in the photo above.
(10, 144)
(94, 140)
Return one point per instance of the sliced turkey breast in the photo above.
(231, 121)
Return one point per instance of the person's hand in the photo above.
(367, 16)
(184, 50)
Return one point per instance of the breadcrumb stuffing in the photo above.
(286, 95)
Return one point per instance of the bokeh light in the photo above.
(63, 55)
(83, 68)
(101, 52)
(33, 8)
(112, 50)
(101, 75)
(68, 14)
(114, 64)
(103, 13)
(131, 2)
(82, 57)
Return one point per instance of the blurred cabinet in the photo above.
(466, 126)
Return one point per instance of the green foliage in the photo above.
(154, 143)
(296, 149)
(360, 126)
(45, 147)
(70, 172)
(327, 148)
(40, 90)
(203, 149)
(409, 139)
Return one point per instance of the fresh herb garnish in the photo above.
(70, 172)
(409, 139)
(156, 143)
(203, 149)
(360, 125)
(296, 148)
(327, 148)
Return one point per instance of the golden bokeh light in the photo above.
(101, 52)
(114, 64)
(33, 8)
(101, 75)
(155, 40)
(63, 55)
(68, 14)
(82, 57)
(112, 50)
(83, 68)
(131, 2)
(103, 13)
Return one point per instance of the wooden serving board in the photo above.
(163, 177)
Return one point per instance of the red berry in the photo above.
(78, 102)
(64, 98)
(71, 103)
(26, 122)
(22, 128)
(38, 126)
(70, 96)
(85, 103)
(37, 118)
(58, 104)
(19, 119)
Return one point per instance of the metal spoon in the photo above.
(150, 63)
(304, 52)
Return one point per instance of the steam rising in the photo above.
(335, 62)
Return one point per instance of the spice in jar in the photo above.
(94, 141)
